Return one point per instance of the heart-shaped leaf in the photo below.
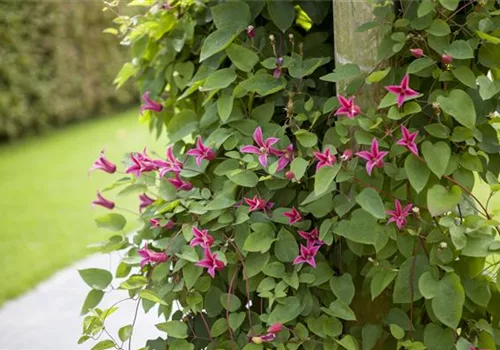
(437, 156)
(460, 106)
(440, 200)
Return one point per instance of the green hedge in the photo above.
(56, 65)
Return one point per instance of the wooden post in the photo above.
(356, 47)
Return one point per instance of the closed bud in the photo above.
(446, 59)
(417, 53)
(290, 175)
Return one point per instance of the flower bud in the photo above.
(446, 59)
(257, 340)
(346, 155)
(417, 53)
(251, 31)
(290, 175)
(275, 328)
(271, 38)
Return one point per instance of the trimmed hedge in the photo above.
(56, 65)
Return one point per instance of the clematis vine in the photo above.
(417, 53)
(374, 157)
(285, 156)
(293, 216)
(149, 104)
(250, 31)
(312, 237)
(403, 90)
(257, 203)
(211, 263)
(141, 163)
(277, 70)
(264, 148)
(102, 163)
(269, 336)
(145, 201)
(399, 215)
(325, 158)
(180, 184)
(307, 254)
(103, 202)
(201, 238)
(156, 223)
(346, 155)
(151, 257)
(201, 152)
(172, 164)
(347, 107)
(408, 140)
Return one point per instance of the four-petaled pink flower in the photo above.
(403, 90)
(172, 164)
(347, 107)
(408, 140)
(257, 203)
(399, 214)
(201, 152)
(103, 202)
(211, 263)
(141, 163)
(285, 156)
(201, 238)
(307, 254)
(325, 158)
(417, 53)
(155, 223)
(346, 155)
(264, 148)
(103, 164)
(374, 157)
(293, 216)
(149, 104)
(277, 70)
(312, 237)
(250, 31)
(151, 257)
(180, 184)
(145, 201)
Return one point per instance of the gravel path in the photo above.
(48, 317)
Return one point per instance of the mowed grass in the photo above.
(46, 218)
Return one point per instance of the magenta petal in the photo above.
(369, 167)
(365, 155)
(250, 149)
(271, 141)
(257, 136)
(263, 160)
(298, 260)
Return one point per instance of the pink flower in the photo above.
(264, 149)
(325, 158)
(211, 263)
(417, 53)
(257, 203)
(275, 328)
(408, 140)
(201, 238)
(285, 156)
(290, 175)
(446, 59)
(251, 31)
(399, 215)
(347, 107)
(375, 158)
(312, 237)
(346, 155)
(103, 202)
(103, 164)
(172, 164)
(155, 223)
(293, 216)
(151, 257)
(179, 184)
(265, 338)
(307, 254)
(277, 70)
(141, 163)
(403, 91)
(149, 104)
(145, 201)
(201, 152)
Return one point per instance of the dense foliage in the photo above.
(56, 65)
(284, 217)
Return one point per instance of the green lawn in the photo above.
(46, 215)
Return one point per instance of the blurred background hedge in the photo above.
(56, 65)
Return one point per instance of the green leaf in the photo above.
(255, 262)
(245, 178)
(428, 285)
(219, 40)
(438, 130)
(417, 172)
(437, 156)
(125, 332)
(356, 229)
(92, 300)
(301, 68)
(134, 282)
(449, 5)
(487, 88)
(370, 335)
(286, 248)
(478, 290)
(344, 72)
(377, 76)
(440, 200)
(299, 167)
(220, 202)
(419, 64)
(181, 125)
(286, 312)
(230, 302)
(263, 113)
(465, 76)
(96, 278)
(490, 38)
(112, 221)
(306, 138)
(438, 28)
(151, 296)
(370, 200)
(232, 13)
(220, 79)
(174, 329)
(410, 269)
(324, 178)
(461, 50)
(244, 59)
(104, 344)
(437, 338)
(225, 106)
(348, 342)
(425, 7)
(449, 300)
(236, 319)
(381, 280)
(259, 241)
(219, 327)
(343, 287)
(282, 13)
(396, 331)
(341, 310)
(263, 84)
